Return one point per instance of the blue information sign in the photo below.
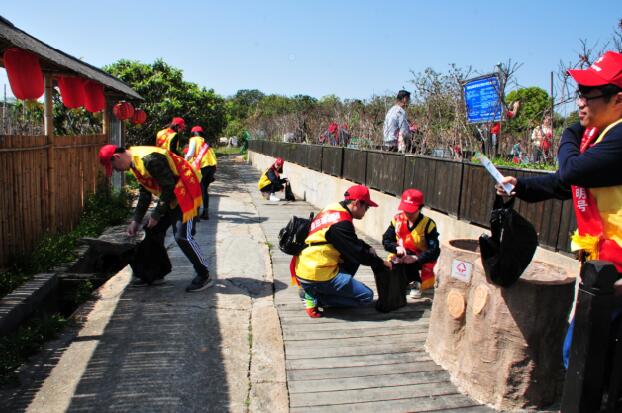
(482, 99)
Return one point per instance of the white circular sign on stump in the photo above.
(455, 304)
(480, 298)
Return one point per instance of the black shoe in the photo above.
(139, 282)
(205, 216)
(199, 283)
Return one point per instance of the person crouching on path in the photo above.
(175, 183)
(201, 156)
(326, 267)
(271, 181)
(169, 137)
(412, 240)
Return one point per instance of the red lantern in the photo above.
(123, 110)
(24, 73)
(72, 91)
(140, 116)
(94, 98)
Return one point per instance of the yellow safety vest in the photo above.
(164, 139)
(263, 180)
(141, 173)
(418, 233)
(609, 204)
(208, 158)
(319, 261)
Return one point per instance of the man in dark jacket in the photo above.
(158, 173)
(589, 167)
(326, 267)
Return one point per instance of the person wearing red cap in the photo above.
(589, 167)
(325, 268)
(202, 157)
(412, 240)
(169, 137)
(173, 180)
(271, 181)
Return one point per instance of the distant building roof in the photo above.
(56, 61)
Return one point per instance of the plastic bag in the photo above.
(391, 286)
(150, 260)
(511, 246)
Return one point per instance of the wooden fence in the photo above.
(43, 187)
(461, 189)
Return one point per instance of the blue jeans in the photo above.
(341, 291)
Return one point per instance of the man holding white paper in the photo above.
(590, 156)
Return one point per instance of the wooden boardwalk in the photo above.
(353, 360)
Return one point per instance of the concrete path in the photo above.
(353, 360)
(244, 345)
(160, 349)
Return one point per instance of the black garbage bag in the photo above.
(150, 260)
(289, 195)
(391, 286)
(510, 248)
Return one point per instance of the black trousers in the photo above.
(207, 173)
(183, 237)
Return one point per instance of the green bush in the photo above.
(102, 209)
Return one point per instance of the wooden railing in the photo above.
(461, 189)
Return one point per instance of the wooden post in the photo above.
(106, 121)
(48, 116)
(585, 378)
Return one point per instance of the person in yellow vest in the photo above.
(173, 180)
(271, 182)
(169, 138)
(412, 240)
(589, 168)
(202, 157)
(325, 268)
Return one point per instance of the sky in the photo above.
(352, 49)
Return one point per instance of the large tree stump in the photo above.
(501, 346)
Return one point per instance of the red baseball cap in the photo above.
(279, 161)
(179, 122)
(196, 129)
(359, 193)
(412, 200)
(105, 156)
(606, 69)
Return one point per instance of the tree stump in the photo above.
(501, 346)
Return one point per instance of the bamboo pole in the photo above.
(48, 115)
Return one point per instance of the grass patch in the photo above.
(26, 341)
(226, 151)
(102, 209)
(509, 164)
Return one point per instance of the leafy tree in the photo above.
(534, 102)
(167, 95)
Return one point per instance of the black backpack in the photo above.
(292, 236)
(511, 246)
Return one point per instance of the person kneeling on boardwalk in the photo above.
(172, 179)
(271, 182)
(412, 240)
(326, 267)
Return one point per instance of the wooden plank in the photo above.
(354, 361)
(300, 319)
(366, 382)
(454, 403)
(292, 353)
(361, 332)
(362, 371)
(355, 341)
(353, 325)
(427, 390)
